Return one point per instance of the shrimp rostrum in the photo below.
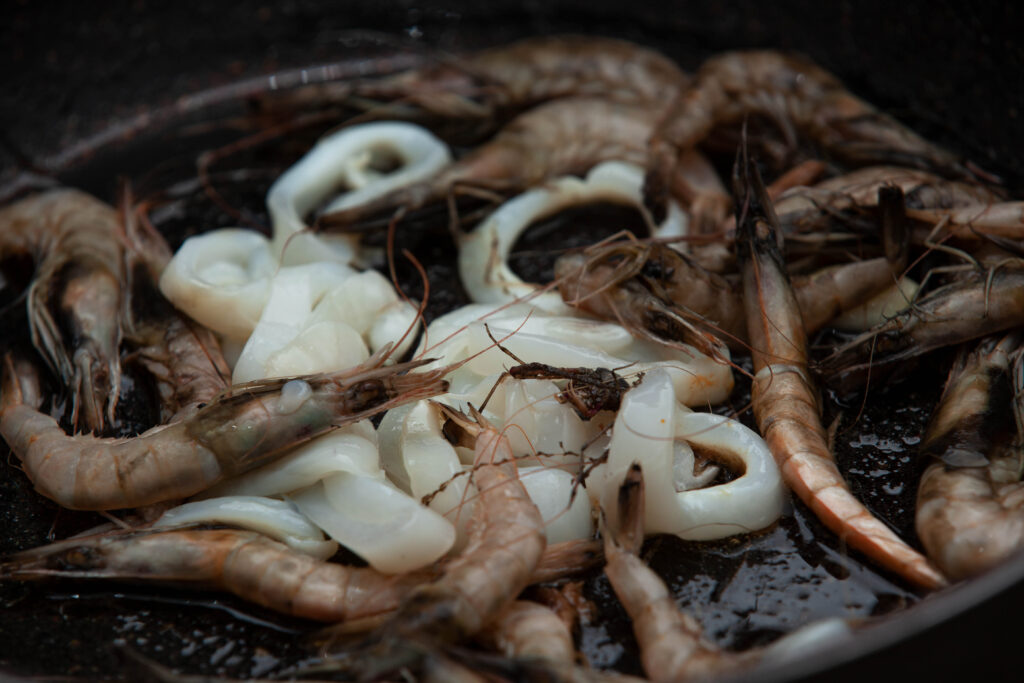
(970, 504)
(246, 426)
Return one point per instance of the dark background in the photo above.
(954, 71)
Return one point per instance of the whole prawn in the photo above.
(784, 399)
(246, 426)
(796, 95)
(970, 504)
(183, 357)
(603, 280)
(979, 303)
(245, 563)
(487, 83)
(75, 298)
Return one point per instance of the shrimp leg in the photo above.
(243, 428)
(970, 504)
(783, 394)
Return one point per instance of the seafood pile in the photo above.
(431, 481)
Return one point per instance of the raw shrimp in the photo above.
(255, 568)
(796, 95)
(970, 504)
(592, 279)
(672, 646)
(785, 400)
(540, 645)
(506, 543)
(979, 303)
(922, 190)
(75, 299)
(515, 76)
(245, 563)
(562, 137)
(614, 289)
(247, 426)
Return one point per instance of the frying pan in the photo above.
(84, 82)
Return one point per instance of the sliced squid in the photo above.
(221, 279)
(647, 429)
(483, 253)
(565, 341)
(337, 482)
(365, 162)
(275, 518)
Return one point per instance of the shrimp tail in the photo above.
(895, 228)
(629, 532)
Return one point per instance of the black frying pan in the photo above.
(78, 77)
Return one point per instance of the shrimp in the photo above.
(680, 283)
(970, 504)
(243, 428)
(562, 137)
(75, 298)
(977, 304)
(253, 567)
(797, 95)
(672, 646)
(506, 544)
(923, 190)
(244, 563)
(183, 357)
(528, 629)
(607, 287)
(784, 399)
(512, 77)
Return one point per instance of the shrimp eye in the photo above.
(366, 394)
